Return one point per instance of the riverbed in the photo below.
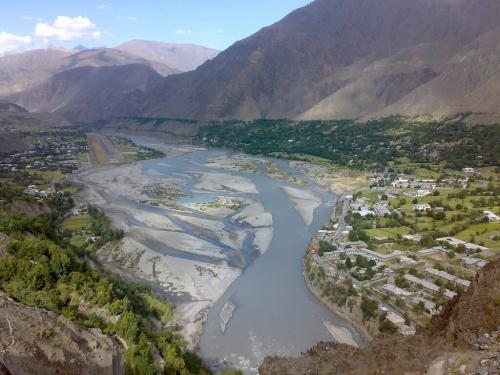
(212, 229)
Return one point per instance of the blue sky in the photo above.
(27, 24)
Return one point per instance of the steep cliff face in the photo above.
(465, 334)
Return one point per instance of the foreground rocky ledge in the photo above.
(36, 341)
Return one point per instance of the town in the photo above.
(400, 249)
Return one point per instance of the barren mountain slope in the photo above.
(89, 93)
(330, 59)
(23, 70)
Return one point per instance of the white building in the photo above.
(406, 260)
(423, 192)
(492, 217)
(448, 277)
(479, 263)
(413, 237)
(429, 285)
(451, 241)
(421, 207)
(393, 289)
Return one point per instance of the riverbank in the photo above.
(183, 252)
(354, 317)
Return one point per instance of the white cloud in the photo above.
(103, 7)
(183, 32)
(219, 31)
(14, 43)
(68, 28)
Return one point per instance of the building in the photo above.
(398, 292)
(407, 261)
(448, 277)
(475, 262)
(468, 170)
(364, 212)
(401, 183)
(429, 286)
(413, 237)
(491, 216)
(423, 193)
(432, 250)
(32, 191)
(421, 207)
(474, 247)
(451, 241)
(381, 210)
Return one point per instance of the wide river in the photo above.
(275, 314)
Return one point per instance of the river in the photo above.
(275, 312)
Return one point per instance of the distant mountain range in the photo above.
(330, 59)
(82, 84)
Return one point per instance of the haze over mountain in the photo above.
(348, 58)
(183, 57)
(37, 79)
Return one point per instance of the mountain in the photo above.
(112, 57)
(24, 71)
(183, 57)
(348, 59)
(21, 71)
(11, 107)
(88, 93)
(465, 334)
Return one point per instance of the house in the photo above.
(429, 285)
(406, 260)
(46, 192)
(401, 183)
(491, 216)
(451, 241)
(447, 276)
(364, 213)
(413, 237)
(393, 289)
(468, 170)
(474, 247)
(381, 210)
(395, 318)
(32, 191)
(423, 192)
(421, 207)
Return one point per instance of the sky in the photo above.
(29, 24)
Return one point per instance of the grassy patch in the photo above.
(388, 232)
(77, 223)
(482, 233)
(72, 189)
